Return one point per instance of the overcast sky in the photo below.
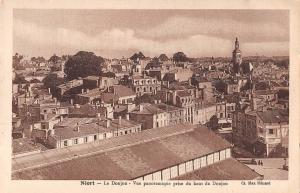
(117, 33)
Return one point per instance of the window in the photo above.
(221, 115)
(85, 140)
(271, 131)
(125, 132)
(145, 89)
(95, 137)
(66, 143)
(104, 135)
(43, 126)
(75, 141)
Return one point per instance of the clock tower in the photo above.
(237, 58)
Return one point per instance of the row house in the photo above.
(264, 132)
(150, 116)
(71, 132)
(145, 85)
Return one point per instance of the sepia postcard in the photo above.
(180, 96)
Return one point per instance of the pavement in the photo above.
(271, 168)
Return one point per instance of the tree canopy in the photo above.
(19, 79)
(137, 56)
(83, 64)
(213, 122)
(51, 81)
(180, 57)
(54, 59)
(163, 57)
(17, 59)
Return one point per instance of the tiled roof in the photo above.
(228, 169)
(172, 145)
(183, 93)
(274, 116)
(264, 92)
(147, 108)
(88, 126)
(91, 78)
(86, 110)
(123, 91)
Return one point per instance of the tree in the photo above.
(220, 86)
(83, 64)
(16, 60)
(137, 56)
(180, 57)
(19, 79)
(213, 123)
(163, 57)
(54, 59)
(51, 81)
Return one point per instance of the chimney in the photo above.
(49, 90)
(82, 91)
(61, 118)
(77, 127)
(45, 117)
(127, 117)
(119, 120)
(107, 123)
(141, 107)
(87, 90)
(98, 115)
(77, 106)
(23, 135)
(72, 101)
(55, 100)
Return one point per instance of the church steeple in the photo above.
(237, 58)
(237, 44)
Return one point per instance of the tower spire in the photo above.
(237, 43)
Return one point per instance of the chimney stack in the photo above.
(127, 117)
(141, 107)
(82, 91)
(61, 118)
(77, 127)
(119, 120)
(107, 123)
(72, 101)
(49, 90)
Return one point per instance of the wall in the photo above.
(187, 166)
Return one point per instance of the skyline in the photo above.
(118, 33)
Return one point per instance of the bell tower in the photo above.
(237, 58)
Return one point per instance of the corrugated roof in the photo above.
(228, 169)
(140, 158)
